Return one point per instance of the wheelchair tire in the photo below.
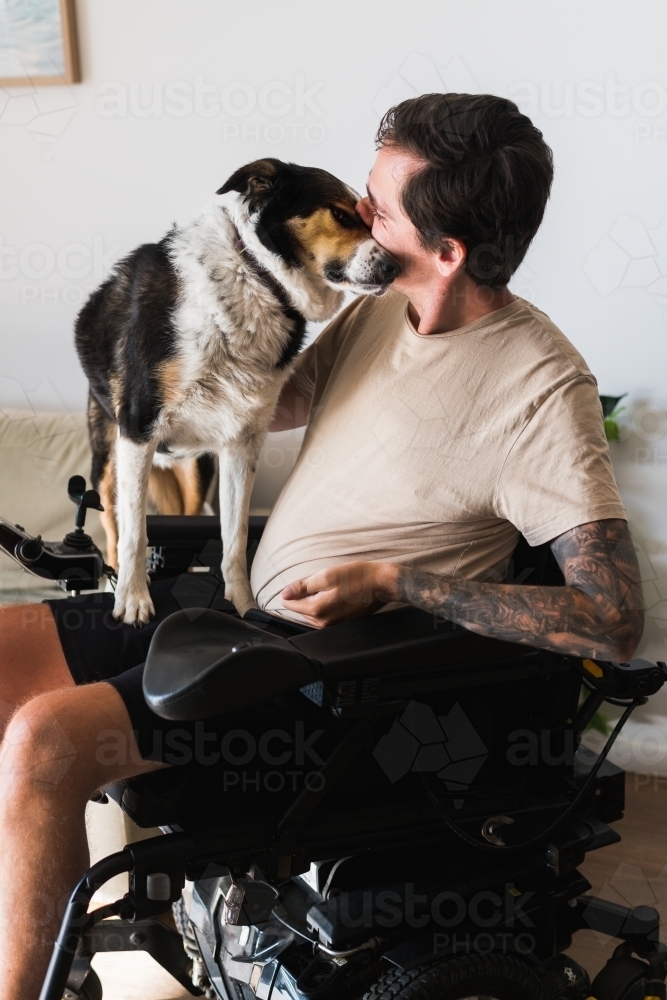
(92, 987)
(622, 978)
(472, 977)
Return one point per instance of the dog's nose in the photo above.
(386, 269)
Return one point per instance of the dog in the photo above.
(188, 344)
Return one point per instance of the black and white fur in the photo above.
(187, 347)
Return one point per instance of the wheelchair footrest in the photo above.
(618, 921)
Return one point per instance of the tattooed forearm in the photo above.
(598, 613)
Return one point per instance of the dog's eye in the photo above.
(344, 218)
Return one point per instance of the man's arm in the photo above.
(598, 613)
(292, 408)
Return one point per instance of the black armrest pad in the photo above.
(212, 664)
(399, 640)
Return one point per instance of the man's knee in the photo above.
(58, 743)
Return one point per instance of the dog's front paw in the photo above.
(133, 605)
(240, 594)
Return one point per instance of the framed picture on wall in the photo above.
(38, 43)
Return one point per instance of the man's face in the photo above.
(381, 211)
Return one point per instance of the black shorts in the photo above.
(249, 744)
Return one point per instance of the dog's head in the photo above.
(308, 218)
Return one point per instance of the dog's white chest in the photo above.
(218, 394)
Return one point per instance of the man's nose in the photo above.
(365, 210)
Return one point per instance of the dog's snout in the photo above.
(387, 268)
(371, 268)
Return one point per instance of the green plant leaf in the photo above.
(609, 404)
(600, 724)
(611, 429)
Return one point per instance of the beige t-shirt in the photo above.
(436, 451)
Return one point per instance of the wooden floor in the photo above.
(632, 873)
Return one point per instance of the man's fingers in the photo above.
(294, 591)
(303, 588)
(311, 606)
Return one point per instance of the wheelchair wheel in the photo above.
(92, 987)
(473, 977)
(622, 978)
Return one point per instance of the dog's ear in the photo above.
(254, 181)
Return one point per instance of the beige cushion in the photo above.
(38, 454)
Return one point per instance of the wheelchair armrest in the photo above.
(392, 641)
(214, 664)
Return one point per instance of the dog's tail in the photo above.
(182, 488)
(102, 435)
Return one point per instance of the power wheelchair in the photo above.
(432, 856)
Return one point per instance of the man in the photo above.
(443, 419)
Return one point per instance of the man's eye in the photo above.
(344, 218)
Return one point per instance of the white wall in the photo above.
(86, 176)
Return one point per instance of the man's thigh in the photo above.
(32, 661)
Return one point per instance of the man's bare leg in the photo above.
(50, 765)
(31, 657)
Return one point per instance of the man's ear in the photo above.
(451, 257)
(254, 181)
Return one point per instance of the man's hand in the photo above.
(341, 592)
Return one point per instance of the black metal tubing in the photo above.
(167, 854)
(587, 711)
(75, 921)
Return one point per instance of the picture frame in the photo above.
(38, 43)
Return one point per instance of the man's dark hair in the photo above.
(486, 178)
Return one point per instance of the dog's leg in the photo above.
(133, 463)
(238, 464)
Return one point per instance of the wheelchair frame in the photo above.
(239, 886)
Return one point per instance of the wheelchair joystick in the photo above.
(76, 563)
(84, 500)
